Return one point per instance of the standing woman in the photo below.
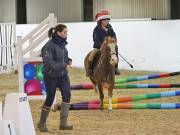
(56, 61)
(102, 30)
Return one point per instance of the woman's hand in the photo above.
(69, 63)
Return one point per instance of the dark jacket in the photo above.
(55, 57)
(99, 35)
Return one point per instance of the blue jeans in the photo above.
(62, 83)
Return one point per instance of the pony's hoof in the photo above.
(110, 111)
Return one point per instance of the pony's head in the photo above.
(108, 50)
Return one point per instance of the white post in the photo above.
(0, 110)
(20, 65)
(52, 20)
(30, 44)
(15, 47)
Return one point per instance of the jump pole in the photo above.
(121, 102)
(146, 77)
(89, 86)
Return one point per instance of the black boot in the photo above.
(64, 116)
(89, 71)
(42, 122)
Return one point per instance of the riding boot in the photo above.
(89, 71)
(42, 122)
(64, 116)
(92, 56)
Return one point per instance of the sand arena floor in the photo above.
(97, 122)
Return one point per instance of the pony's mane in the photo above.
(107, 40)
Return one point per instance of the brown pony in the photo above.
(104, 71)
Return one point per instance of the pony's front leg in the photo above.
(110, 92)
(101, 96)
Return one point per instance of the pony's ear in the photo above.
(113, 40)
(105, 40)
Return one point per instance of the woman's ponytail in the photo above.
(51, 32)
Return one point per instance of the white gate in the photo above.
(7, 48)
